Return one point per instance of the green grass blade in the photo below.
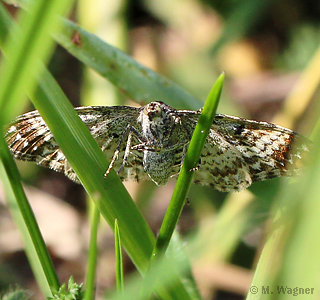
(191, 161)
(133, 79)
(22, 213)
(119, 261)
(92, 253)
(87, 159)
(89, 162)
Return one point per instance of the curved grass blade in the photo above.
(136, 81)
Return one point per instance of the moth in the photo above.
(150, 143)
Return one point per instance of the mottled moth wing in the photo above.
(240, 151)
(30, 139)
(150, 143)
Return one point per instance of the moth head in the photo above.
(160, 113)
(153, 110)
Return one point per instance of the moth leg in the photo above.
(126, 152)
(116, 152)
(143, 146)
(131, 131)
(113, 160)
